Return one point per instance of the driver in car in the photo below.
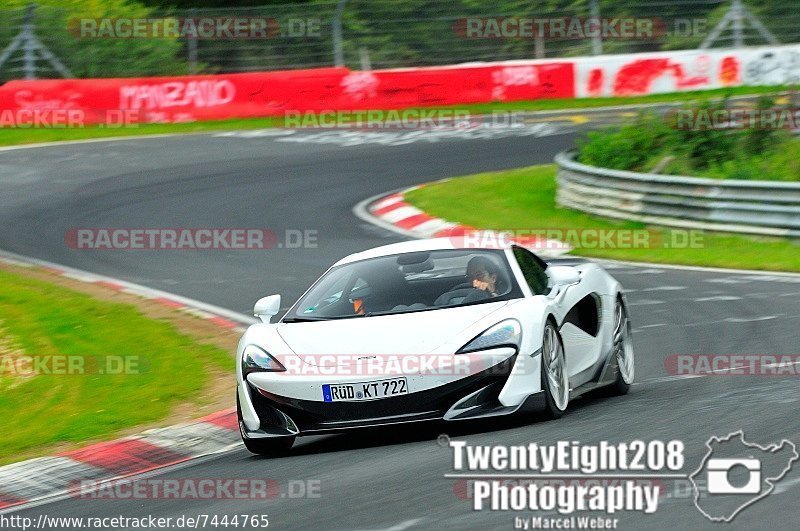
(482, 272)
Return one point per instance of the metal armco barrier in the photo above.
(770, 208)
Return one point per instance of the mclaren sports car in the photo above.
(431, 330)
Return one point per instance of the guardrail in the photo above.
(767, 208)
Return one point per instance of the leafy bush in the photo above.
(756, 140)
(628, 147)
(704, 146)
(723, 153)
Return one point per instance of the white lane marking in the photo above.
(669, 378)
(665, 288)
(645, 302)
(346, 138)
(18, 263)
(407, 524)
(750, 320)
(137, 288)
(256, 133)
(712, 372)
(90, 279)
(727, 280)
(783, 486)
(701, 269)
(648, 271)
(717, 298)
(95, 140)
(657, 325)
(773, 278)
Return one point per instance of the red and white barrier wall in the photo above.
(662, 72)
(189, 98)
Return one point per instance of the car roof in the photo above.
(429, 244)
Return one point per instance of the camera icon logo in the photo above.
(736, 473)
(720, 472)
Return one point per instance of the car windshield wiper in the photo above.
(303, 319)
(398, 312)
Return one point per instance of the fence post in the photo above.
(538, 45)
(738, 24)
(338, 51)
(28, 46)
(735, 19)
(191, 45)
(597, 38)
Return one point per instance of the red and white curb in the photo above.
(392, 212)
(45, 477)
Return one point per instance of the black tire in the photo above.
(269, 446)
(551, 408)
(620, 386)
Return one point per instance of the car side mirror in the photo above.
(564, 275)
(267, 307)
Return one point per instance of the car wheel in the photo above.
(272, 446)
(622, 350)
(555, 381)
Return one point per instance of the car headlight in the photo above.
(506, 333)
(255, 359)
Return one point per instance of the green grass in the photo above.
(525, 199)
(40, 319)
(10, 136)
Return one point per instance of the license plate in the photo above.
(355, 392)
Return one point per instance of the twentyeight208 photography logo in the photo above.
(735, 474)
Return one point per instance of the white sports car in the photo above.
(431, 330)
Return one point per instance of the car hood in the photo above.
(412, 333)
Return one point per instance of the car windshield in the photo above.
(407, 283)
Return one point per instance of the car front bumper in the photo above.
(474, 396)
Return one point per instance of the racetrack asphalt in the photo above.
(393, 478)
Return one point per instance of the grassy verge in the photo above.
(30, 136)
(525, 199)
(126, 369)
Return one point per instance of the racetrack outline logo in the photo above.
(718, 485)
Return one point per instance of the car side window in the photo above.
(532, 269)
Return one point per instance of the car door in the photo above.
(580, 313)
